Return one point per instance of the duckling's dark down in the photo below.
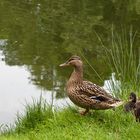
(85, 94)
(134, 106)
(130, 105)
(137, 111)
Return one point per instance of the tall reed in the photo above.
(123, 59)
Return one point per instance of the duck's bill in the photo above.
(64, 65)
(117, 104)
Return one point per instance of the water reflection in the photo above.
(16, 90)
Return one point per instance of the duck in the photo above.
(137, 111)
(86, 94)
(133, 106)
(130, 105)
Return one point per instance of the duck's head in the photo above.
(132, 97)
(73, 61)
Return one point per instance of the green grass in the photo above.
(35, 113)
(69, 124)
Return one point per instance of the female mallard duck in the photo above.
(84, 93)
(134, 106)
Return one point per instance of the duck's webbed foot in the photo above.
(84, 112)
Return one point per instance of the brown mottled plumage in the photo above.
(84, 93)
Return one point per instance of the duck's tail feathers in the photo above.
(119, 103)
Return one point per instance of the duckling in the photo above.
(86, 94)
(129, 106)
(134, 106)
(137, 111)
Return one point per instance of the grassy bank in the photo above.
(68, 124)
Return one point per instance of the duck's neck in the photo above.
(77, 75)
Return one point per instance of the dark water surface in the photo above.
(37, 36)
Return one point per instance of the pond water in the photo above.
(37, 36)
(17, 91)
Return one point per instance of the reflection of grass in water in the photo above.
(123, 59)
(41, 123)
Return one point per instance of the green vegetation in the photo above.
(69, 124)
(36, 113)
(123, 59)
(41, 121)
(41, 35)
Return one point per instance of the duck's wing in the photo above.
(94, 91)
